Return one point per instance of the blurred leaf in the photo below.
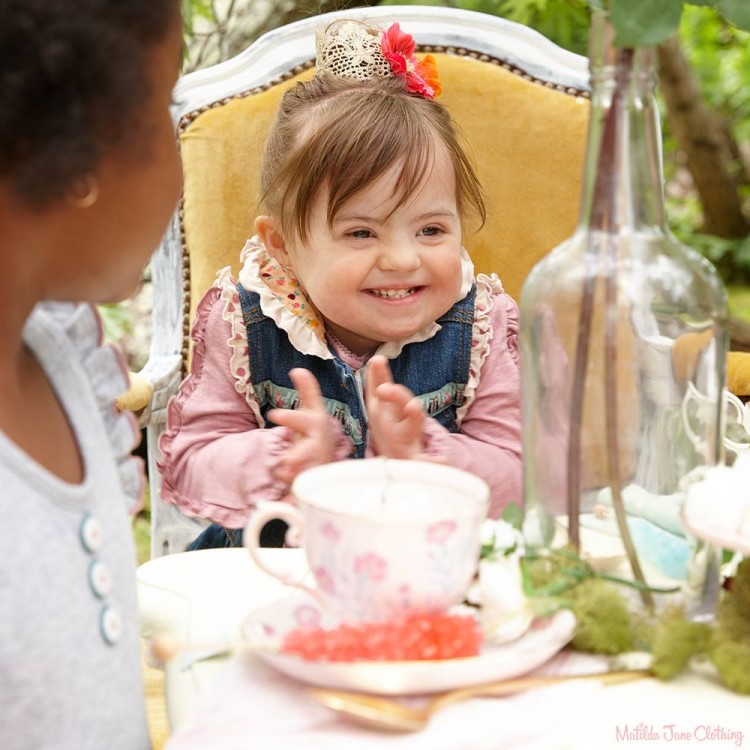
(644, 22)
(192, 9)
(116, 321)
(513, 514)
(736, 12)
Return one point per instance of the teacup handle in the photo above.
(269, 511)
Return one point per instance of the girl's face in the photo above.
(377, 278)
(101, 250)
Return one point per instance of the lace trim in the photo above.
(304, 328)
(105, 368)
(481, 335)
(239, 359)
(354, 360)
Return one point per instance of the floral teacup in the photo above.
(384, 538)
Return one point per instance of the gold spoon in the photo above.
(391, 715)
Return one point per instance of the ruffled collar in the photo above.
(284, 301)
(107, 373)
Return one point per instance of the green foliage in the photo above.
(142, 529)
(735, 11)
(513, 514)
(706, 38)
(192, 9)
(565, 22)
(116, 321)
(646, 22)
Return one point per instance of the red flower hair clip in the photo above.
(421, 76)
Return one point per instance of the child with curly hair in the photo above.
(89, 175)
(356, 327)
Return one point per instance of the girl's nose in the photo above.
(399, 256)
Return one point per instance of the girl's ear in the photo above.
(270, 235)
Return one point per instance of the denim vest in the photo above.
(436, 370)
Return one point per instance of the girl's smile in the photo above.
(395, 294)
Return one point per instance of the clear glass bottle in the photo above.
(623, 351)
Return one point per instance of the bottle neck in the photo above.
(622, 182)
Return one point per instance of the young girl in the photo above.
(89, 176)
(356, 327)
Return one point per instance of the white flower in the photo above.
(720, 502)
(501, 537)
(505, 611)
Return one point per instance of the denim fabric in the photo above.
(436, 370)
(215, 536)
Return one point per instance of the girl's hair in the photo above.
(343, 134)
(72, 79)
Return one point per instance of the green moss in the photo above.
(604, 625)
(675, 641)
(732, 660)
(734, 608)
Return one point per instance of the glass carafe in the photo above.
(623, 351)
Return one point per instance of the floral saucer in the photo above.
(264, 630)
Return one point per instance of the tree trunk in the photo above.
(707, 143)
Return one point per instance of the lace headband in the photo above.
(349, 49)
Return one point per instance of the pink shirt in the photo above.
(217, 461)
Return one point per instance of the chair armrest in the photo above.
(160, 378)
(138, 396)
(738, 373)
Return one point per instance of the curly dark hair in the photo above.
(72, 77)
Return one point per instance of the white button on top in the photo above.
(91, 533)
(100, 579)
(111, 625)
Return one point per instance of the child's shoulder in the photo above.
(84, 369)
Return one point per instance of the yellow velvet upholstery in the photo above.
(738, 373)
(527, 142)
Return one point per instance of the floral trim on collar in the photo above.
(280, 294)
(285, 287)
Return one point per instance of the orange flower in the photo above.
(420, 76)
(427, 70)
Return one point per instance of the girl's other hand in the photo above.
(314, 438)
(395, 414)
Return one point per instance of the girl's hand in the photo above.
(395, 414)
(314, 437)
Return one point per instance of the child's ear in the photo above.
(270, 235)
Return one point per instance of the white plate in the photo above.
(265, 628)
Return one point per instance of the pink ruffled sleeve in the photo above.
(216, 460)
(489, 441)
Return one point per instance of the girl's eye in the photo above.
(360, 234)
(431, 231)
